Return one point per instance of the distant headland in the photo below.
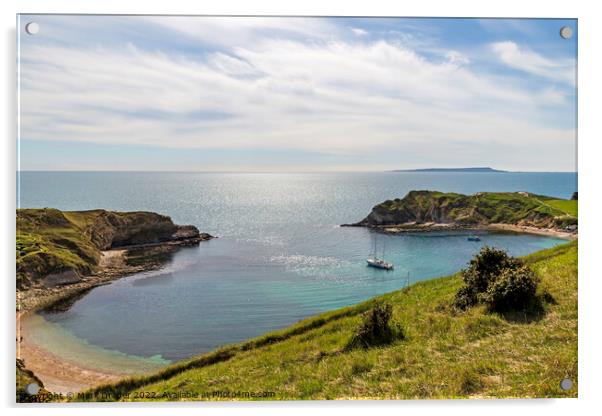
(453, 170)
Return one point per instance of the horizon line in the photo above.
(412, 170)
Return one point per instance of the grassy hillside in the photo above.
(519, 208)
(50, 241)
(445, 353)
(569, 206)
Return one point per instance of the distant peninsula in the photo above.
(454, 170)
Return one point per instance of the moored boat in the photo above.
(379, 264)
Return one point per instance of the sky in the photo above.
(262, 94)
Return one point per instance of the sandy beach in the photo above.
(433, 227)
(57, 374)
(533, 230)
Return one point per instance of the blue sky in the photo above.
(295, 94)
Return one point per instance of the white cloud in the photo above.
(248, 31)
(458, 58)
(327, 96)
(358, 32)
(526, 60)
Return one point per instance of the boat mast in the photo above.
(374, 252)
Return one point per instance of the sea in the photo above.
(280, 256)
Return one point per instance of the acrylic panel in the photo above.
(295, 208)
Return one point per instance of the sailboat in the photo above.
(375, 262)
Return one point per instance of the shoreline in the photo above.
(60, 375)
(567, 235)
(112, 266)
(494, 227)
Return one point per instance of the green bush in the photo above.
(376, 328)
(501, 282)
(514, 289)
(465, 298)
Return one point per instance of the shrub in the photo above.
(465, 298)
(469, 381)
(514, 289)
(501, 282)
(486, 265)
(376, 328)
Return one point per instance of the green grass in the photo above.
(567, 206)
(47, 242)
(444, 354)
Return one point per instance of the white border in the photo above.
(590, 345)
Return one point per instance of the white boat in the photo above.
(473, 238)
(374, 261)
(379, 264)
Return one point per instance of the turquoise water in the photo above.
(63, 343)
(281, 255)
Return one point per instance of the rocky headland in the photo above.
(63, 253)
(510, 211)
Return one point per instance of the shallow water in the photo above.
(281, 255)
(63, 343)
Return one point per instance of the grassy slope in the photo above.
(49, 242)
(565, 205)
(472, 354)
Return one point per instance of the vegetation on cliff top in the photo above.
(517, 208)
(50, 241)
(443, 352)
